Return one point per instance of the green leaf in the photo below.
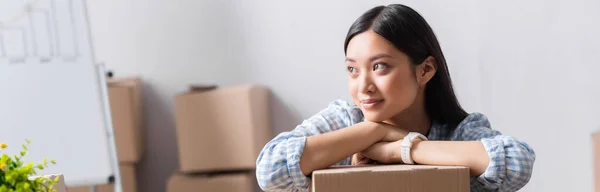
(15, 176)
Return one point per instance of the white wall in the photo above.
(169, 44)
(528, 65)
(540, 84)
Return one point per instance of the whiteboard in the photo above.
(50, 91)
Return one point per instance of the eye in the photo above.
(352, 70)
(379, 66)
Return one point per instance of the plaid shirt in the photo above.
(510, 166)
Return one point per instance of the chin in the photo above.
(374, 116)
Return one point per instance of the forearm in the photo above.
(471, 154)
(324, 150)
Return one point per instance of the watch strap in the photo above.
(406, 146)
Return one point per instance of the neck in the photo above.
(414, 118)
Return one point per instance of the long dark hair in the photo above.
(410, 33)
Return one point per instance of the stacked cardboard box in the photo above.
(220, 132)
(125, 96)
(596, 160)
(128, 179)
(238, 182)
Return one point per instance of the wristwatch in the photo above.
(406, 144)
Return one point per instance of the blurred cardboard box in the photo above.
(125, 97)
(384, 178)
(231, 182)
(596, 160)
(223, 128)
(128, 179)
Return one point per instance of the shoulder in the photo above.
(475, 126)
(475, 119)
(344, 109)
(341, 104)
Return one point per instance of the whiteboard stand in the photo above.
(101, 73)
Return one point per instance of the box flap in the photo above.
(208, 88)
(383, 168)
(131, 81)
(201, 87)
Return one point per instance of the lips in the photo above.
(370, 103)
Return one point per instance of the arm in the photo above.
(470, 154)
(510, 160)
(323, 150)
(497, 162)
(317, 143)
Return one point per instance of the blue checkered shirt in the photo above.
(509, 169)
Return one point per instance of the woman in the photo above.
(401, 92)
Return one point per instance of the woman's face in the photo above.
(381, 79)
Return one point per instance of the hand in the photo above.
(359, 159)
(383, 152)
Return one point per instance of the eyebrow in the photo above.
(378, 56)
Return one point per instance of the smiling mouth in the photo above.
(370, 103)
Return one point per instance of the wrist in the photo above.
(396, 155)
(377, 130)
(408, 146)
(414, 151)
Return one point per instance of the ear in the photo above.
(426, 70)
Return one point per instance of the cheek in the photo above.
(398, 88)
(352, 88)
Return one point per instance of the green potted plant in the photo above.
(17, 176)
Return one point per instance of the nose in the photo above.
(365, 84)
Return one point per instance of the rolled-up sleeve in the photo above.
(278, 164)
(511, 163)
(511, 160)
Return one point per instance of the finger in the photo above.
(359, 159)
(364, 161)
(377, 151)
(354, 159)
(361, 162)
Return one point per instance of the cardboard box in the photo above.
(128, 179)
(236, 182)
(126, 109)
(222, 129)
(596, 160)
(384, 178)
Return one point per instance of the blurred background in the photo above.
(530, 66)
